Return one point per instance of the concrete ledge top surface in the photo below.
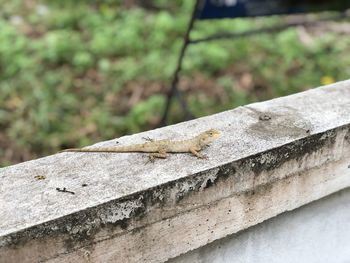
(98, 178)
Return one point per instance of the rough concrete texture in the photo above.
(316, 233)
(272, 157)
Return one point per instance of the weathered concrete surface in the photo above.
(273, 157)
(316, 233)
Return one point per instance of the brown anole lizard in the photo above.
(160, 148)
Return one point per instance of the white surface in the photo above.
(316, 233)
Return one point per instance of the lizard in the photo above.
(161, 148)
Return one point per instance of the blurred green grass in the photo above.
(75, 73)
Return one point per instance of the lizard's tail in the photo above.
(131, 148)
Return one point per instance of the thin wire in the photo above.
(265, 30)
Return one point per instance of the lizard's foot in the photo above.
(198, 155)
(151, 159)
(202, 156)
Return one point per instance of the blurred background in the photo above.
(77, 72)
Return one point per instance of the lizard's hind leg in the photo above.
(160, 154)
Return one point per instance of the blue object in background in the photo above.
(210, 9)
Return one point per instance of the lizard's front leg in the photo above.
(195, 152)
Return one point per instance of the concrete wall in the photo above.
(274, 156)
(314, 233)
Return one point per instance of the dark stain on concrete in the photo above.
(294, 150)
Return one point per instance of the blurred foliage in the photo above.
(76, 72)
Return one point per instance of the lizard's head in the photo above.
(209, 136)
